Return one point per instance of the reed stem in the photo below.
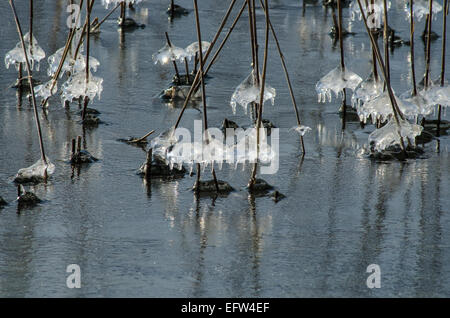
(30, 82)
(396, 111)
(173, 62)
(444, 39)
(286, 73)
(197, 76)
(261, 96)
(413, 69)
(202, 80)
(428, 56)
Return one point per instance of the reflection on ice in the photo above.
(376, 10)
(421, 8)
(106, 3)
(301, 130)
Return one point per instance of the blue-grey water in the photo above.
(343, 211)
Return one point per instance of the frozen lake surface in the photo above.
(342, 211)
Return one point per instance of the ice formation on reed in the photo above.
(390, 135)
(380, 108)
(43, 90)
(248, 91)
(168, 53)
(69, 65)
(36, 171)
(366, 90)
(76, 87)
(193, 48)
(34, 52)
(335, 81)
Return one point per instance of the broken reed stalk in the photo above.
(261, 96)
(197, 76)
(428, 56)
(397, 113)
(143, 137)
(88, 31)
(341, 46)
(106, 17)
(283, 64)
(444, 39)
(173, 62)
(202, 80)
(413, 69)
(30, 82)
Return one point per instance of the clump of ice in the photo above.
(422, 8)
(35, 172)
(301, 130)
(213, 151)
(168, 53)
(438, 95)
(380, 108)
(376, 11)
(76, 87)
(45, 91)
(424, 106)
(366, 90)
(69, 65)
(335, 81)
(106, 3)
(248, 91)
(163, 142)
(193, 48)
(390, 135)
(34, 52)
